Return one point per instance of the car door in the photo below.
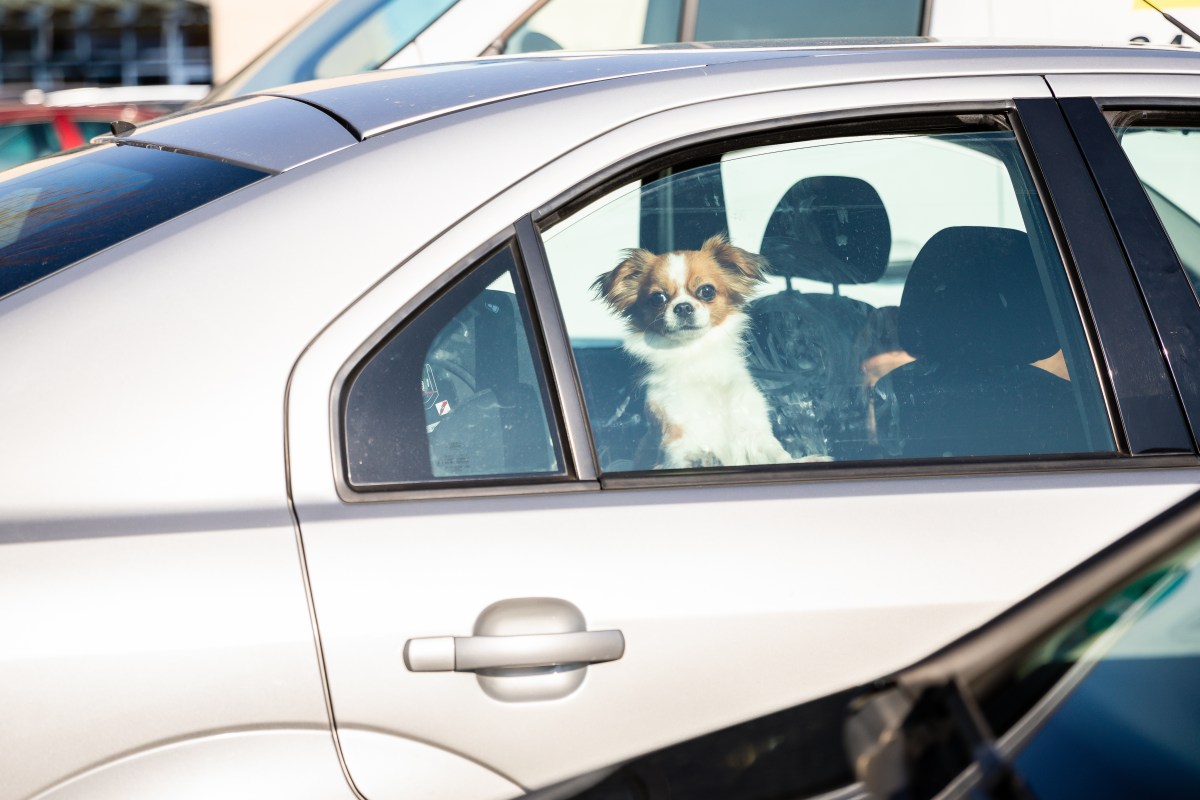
(508, 592)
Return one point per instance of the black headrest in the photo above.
(829, 228)
(974, 294)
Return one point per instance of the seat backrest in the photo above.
(805, 347)
(975, 315)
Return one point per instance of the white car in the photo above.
(341, 37)
(334, 466)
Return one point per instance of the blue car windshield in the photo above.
(343, 37)
(66, 209)
(1124, 721)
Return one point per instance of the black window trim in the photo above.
(1148, 407)
(1170, 299)
(566, 480)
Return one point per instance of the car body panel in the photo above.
(371, 105)
(123, 636)
(170, 419)
(1116, 86)
(436, 89)
(295, 763)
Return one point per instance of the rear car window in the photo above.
(846, 298)
(70, 208)
(25, 141)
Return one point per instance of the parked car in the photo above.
(1084, 689)
(31, 131)
(340, 431)
(341, 37)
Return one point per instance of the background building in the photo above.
(56, 44)
(241, 29)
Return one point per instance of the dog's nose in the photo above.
(684, 309)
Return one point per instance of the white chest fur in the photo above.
(710, 410)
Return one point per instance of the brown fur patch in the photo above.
(620, 287)
(744, 270)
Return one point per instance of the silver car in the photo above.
(341, 423)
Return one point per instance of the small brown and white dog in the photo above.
(685, 313)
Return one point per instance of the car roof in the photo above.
(374, 102)
(361, 106)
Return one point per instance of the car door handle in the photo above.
(473, 653)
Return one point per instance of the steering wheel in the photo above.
(456, 370)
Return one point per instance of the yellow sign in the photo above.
(1164, 4)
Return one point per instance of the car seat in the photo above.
(805, 348)
(974, 315)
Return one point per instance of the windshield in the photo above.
(1124, 721)
(341, 38)
(72, 207)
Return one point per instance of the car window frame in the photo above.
(566, 394)
(569, 477)
(713, 141)
(1171, 300)
(1174, 316)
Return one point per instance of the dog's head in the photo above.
(681, 294)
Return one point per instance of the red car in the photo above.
(29, 131)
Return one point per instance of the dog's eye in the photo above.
(658, 299)
(707, 292)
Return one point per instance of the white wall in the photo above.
(1062, 20)
(241, 29)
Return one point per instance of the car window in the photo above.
(378, 36)
(26, 141)
(1165, 152)
(586, 25)
(455, 393)
(59, 213)
(787, 19)
(1126, 694)
(340, 38)
(848, 298)
(91, 128)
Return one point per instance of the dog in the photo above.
(685, 313)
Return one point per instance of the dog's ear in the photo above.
(619, 287)
(744, 269)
